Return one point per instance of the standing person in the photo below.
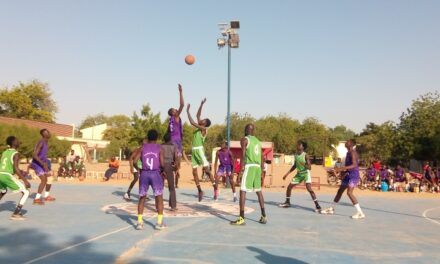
(41, 167)
(175, 128)
(198, 158)
(8, 167)
(133, 170)
(224, 155)
(152, 163)
(170, 154)
(252, 170)
(350, 181)
(237, 167)
(303, 166)
(71, 160)
(429, 176)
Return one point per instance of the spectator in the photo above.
(429, 177)
(113, 167)
(64, 168)
(338, 164)
(71, 160)
(237, 165)
(79, 166)
(384, 176)
(399, 178)
(370, 178)
(377, 165)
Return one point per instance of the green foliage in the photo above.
(94, 120)
(29, 138)
(377, 141)
(31, 101)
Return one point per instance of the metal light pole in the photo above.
(230, 37)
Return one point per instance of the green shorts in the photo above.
(8, 181)
(198, 157)
(251, 179)
(302, 177)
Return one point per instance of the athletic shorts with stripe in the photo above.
(8, 181)
(198, 158)
(251, 179)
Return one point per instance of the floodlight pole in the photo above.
(228, 116)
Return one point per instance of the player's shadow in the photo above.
(10, 206)
(129, 219)
(121, 194)
(276, 204)
(266, 257)
(25, 240)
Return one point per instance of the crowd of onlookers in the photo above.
(71, 166)
(382, 177)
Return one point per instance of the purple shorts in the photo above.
(39, 170)
(224, 170)
(351, 180)
(178, 144)
(152, 178)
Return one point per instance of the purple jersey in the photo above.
(352, 177)
(384, 173)
(371, 173)
(400, 175)
(224, 158)
(176, 130)
(43, 152)
(150, 156)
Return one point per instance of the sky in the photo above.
(342, 62)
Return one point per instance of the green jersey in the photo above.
(300, 163)
(7, 161)
(198, 139)
(253, 151)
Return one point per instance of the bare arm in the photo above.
(353, 165)
(161, 158)
(182, 103)
(199, 112)
(19, 172)
(136, 157)
(191, 120)
(308, 163)
(131, 160)
(289, 171)
(243, 144)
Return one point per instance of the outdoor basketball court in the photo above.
(92, 224)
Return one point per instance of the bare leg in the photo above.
(340, 193)
(313, 195)
(159, 204)
(43, 181)
(242, 202)
(133, 182)
(351, 195)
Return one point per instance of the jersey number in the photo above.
(149, 163)
(257, 149)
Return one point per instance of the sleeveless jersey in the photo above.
(150, 156)
(253, 151)
(43, 152)
(349, 161)
(224, 158)
(7, 161)
(175, 128)
(198, 139)
(300, 163)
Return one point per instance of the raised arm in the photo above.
(191, 120)
(182, 103)
(199, 112)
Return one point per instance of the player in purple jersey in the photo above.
(175, 128)
(350, 181)
(370, 177)
(152, 165)
(224, 155)
(40, 165)
(399, 178)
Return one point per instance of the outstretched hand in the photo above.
(284, 177)
(180, 87)
(188, 107)
(204, 100)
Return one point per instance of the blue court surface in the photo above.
(93, 224)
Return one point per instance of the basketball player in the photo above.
(198, 157)
(350, 181)
(303, 166)
(224, 155)
(8, 167)
(41, 167)
(252, 170)
(152, 164)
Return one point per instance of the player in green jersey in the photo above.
(252, 166)
(8, 167)
(198, 158)
(303, 166)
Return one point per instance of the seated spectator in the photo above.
(384, 176)
(79, 166)
(370, 179)
(429, 177)
(113, 167)
(399, 178)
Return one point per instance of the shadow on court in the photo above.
(28, 244)
(266, 257)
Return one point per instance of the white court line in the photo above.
(427, 218)
(77, 244)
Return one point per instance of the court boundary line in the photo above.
(430, 219)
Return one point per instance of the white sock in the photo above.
(358, 208)
(235, 195)
(46, 194)
(38, 196)
(24, 197)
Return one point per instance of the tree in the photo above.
(118, 133)
(316, 135)
(31, 101)
(378, 141)
(145, 121)
(94, 120)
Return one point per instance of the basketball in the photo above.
(189, 59)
